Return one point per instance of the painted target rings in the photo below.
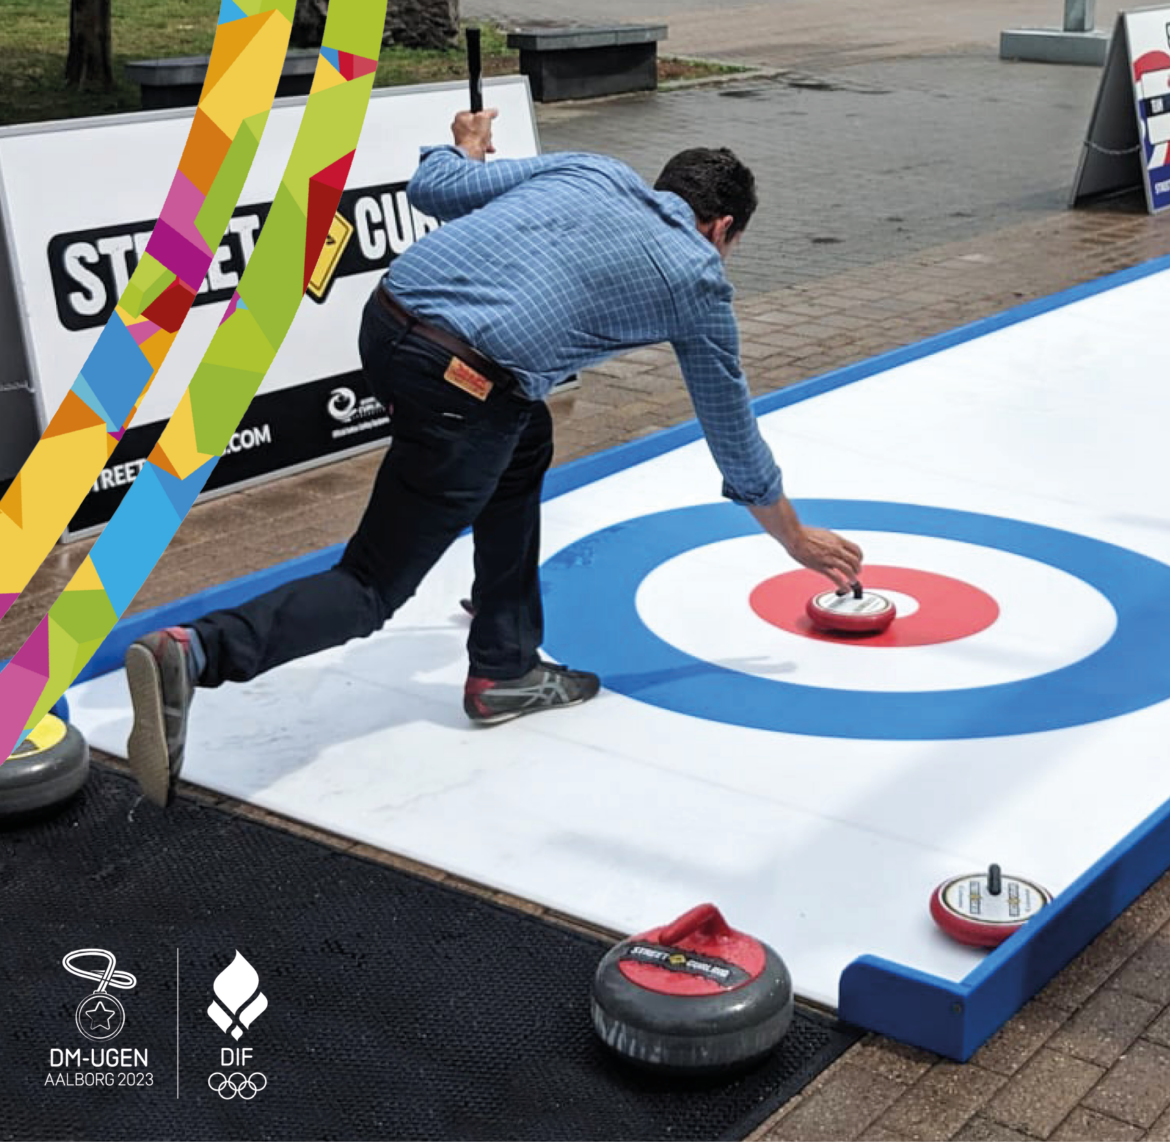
(948, 608)
(1128, 672)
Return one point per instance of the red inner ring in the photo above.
(948, 609)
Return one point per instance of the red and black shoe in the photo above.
(546, 686)
(161, 675)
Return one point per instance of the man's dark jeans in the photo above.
(454, 461)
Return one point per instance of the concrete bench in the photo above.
(177, 82)
(582, 62)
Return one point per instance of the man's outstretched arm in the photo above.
(709, 357)
(454, 180)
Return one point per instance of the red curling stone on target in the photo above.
(984, 908)
(851, 611)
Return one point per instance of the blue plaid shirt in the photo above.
(551, 264)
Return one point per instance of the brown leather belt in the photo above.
(448, 341)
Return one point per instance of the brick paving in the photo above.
(918, 187)
(804, 33)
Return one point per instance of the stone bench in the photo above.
(582, 62)
(177, 82)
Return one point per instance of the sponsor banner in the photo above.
(1127, 144)
(73, 247)
(90, 268)
(290, 429)
(1148, 32)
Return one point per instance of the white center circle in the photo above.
(699, 602)
(904, 604)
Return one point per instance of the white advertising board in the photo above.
(78, 202)
(1128, 141)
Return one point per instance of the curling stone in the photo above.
(851, 610)
(695, 996)
(46, 769)
(984, 908)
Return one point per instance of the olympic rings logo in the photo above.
(237, 1084)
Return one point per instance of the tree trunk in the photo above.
(308, 23)
(90, 63)
(423, 23)
(410, 23)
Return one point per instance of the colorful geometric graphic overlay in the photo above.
(246, 60)
(240, 353)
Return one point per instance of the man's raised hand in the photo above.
(472, 131)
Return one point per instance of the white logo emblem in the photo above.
(237, 1084)
(100, 1016)
(240, 1000)
(342, 404)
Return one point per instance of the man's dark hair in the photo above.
(714, 183)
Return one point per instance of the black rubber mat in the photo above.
(396, 1007)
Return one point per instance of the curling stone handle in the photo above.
(855, 587)
(994, 880)
(701, 916)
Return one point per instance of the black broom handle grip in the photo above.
(475, 69)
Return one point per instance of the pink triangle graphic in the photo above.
(231, 307)
(34, 655)
(142, 331)
(117, 436)
(19, 692)
(6, 601)
(182, 207)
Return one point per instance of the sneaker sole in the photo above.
(146, 748)
(511, 715)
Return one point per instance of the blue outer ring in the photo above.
(590, 586)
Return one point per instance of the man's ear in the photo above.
(715, 230)
(720, 228)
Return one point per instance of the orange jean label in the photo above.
(463, 376)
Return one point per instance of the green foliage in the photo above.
(36, 42)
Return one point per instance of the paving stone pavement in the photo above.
(802, 33)
(910, 183)
(863, 164)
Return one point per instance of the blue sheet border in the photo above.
(948, 1017)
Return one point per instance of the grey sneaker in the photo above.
(545, 686)
(160, 674)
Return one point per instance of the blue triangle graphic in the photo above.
(182, 493)
(229, 11)
(82, 389)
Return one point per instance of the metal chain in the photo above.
(1106, 150)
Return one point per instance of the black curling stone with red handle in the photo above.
(693, 996)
